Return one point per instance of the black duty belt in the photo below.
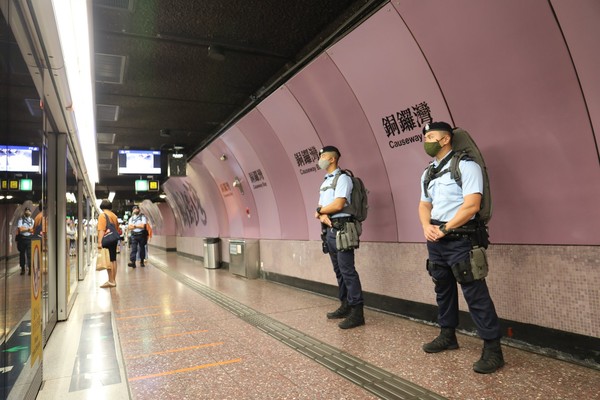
(338, 223)
(469, 226)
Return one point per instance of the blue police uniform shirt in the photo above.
(343, 189)
(25, 222)
(138, 220)
(445, 194)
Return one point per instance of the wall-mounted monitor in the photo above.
(20, 159)
(139, 162)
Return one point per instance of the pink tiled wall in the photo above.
(551, 286)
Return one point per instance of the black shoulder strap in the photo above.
(108, 221)
(435, 172)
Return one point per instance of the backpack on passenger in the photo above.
(464, 148)
(359, 198)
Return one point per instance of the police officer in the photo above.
(329, 212)
(443, 209)
(139, 236)
(25, 227)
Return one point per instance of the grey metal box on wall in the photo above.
(244, 258)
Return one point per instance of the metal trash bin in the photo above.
(244, 258)
(212, 255)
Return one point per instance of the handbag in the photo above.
(103, 260)
(111, 235)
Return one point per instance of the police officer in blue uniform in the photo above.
(329, 212)
(25, 227)
(443, 209)
(139, 236)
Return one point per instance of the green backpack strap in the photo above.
(334, 182)
(454, 166)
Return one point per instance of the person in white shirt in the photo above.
(139, 236)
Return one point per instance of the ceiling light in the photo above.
(162, 196)
(111, 196)
(72, 19)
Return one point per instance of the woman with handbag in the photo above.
(108, 238)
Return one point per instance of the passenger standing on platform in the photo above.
(71, 236)
(329, 212)
(106, 207)
(139, 236)
(39, 223)
(25, 227)
(446, 208)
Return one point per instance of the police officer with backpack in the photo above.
(448, 215)
(334, 220)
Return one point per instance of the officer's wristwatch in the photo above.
(443, 229)
(319, 210)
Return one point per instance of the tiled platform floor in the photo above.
(178, 344)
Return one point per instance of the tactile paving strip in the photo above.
(373, 379)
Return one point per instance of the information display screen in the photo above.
(139, 162)
(19, 158)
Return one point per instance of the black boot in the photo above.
(342, 312)
(22, 270)
(491, 357)
(445, 341)
(356, 318)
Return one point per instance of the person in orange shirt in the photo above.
(106, 207)
(40, 226)
(40, 223)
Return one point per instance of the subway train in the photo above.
(201, 127)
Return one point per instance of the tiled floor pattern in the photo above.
(179, 344)
(268, 369)
(365, 375)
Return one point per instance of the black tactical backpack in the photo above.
(359, 204)
(464, 148)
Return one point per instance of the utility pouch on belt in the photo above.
(481, 237)
(475, 268)
(324, 239)
(347, 237)
(479, 263)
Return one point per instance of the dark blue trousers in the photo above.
(444, 254)
(343, 266)
(138, 243)
(24, 247)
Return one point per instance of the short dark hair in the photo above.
(106, 204)
(331, 149)
(438, 126)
